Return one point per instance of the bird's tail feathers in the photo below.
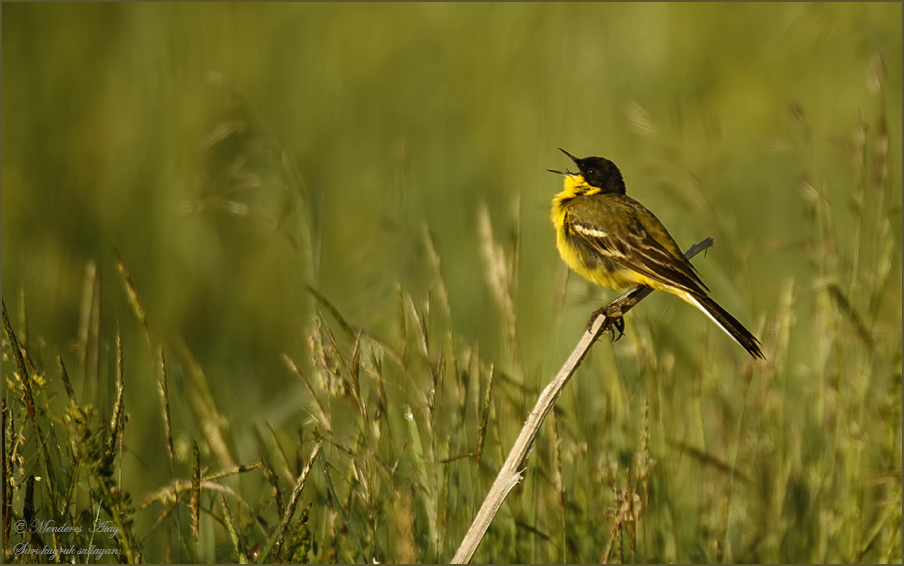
(728, 323)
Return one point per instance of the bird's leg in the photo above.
(616, 310)
(613, 312)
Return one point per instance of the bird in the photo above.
(615, 242)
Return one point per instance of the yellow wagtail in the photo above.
(614, 241)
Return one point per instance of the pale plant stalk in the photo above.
(510, 475)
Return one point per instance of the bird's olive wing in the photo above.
(625, 232)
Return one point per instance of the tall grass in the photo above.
(794, 459)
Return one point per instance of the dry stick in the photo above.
(509, 476)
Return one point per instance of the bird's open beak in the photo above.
(566, 172)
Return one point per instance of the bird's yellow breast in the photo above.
(581, 257)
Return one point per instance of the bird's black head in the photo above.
(599, 172)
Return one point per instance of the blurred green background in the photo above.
(234, 154)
